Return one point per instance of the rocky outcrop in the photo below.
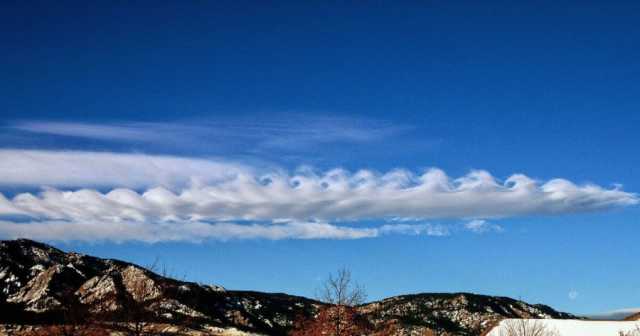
(48, 289)
(38, 282)
(634, 317)
(454, 313)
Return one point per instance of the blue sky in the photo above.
(212, 118)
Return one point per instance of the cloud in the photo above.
(131, 132)
(482, 226)
(165, 197)
(103, 169)
(283, 131)
(414, 229)
(187, 188)
(152, 232)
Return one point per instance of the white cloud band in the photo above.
(153, 232)
(202, 196)
(104, 169)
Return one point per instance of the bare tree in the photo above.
(68, 330)
(343, 293)
(338, 317)
(525, 327)
(634, 332)
(75, 320)
(334, 321)
(341, 290)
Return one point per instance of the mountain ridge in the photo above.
(633, 317)
(39, 281)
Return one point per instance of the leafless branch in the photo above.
(526, 327)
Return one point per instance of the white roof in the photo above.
(578, 327)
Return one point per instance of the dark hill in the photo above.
(38, 284)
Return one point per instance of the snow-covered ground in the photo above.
(577, 327)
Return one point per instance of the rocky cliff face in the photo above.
(454, 313)
(38, 284)
(634, 317)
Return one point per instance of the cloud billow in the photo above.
(169, 198)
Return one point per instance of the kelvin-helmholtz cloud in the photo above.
(88, 195)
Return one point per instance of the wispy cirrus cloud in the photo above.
(282, 132)
(208, 198)
(130, 132)
(482, 226)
